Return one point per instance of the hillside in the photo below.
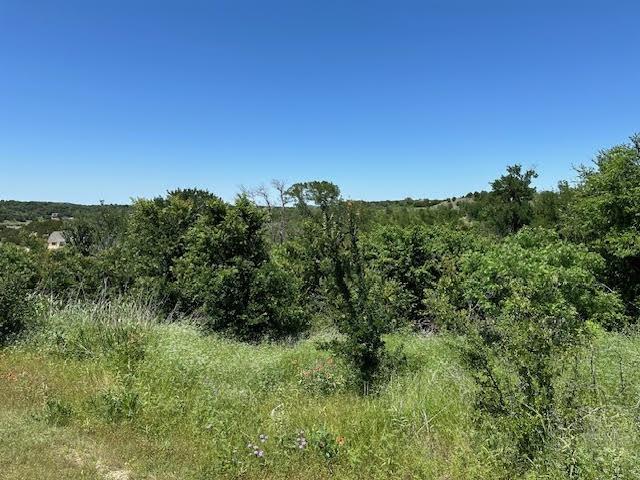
(17, 211)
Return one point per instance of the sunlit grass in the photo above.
(111, 392)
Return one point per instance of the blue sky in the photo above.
(118, 99)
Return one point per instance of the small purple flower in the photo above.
(259, 453)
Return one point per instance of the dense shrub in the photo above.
(196, 254)
(101, 230)
(67, 273)
(18, 277)
(604, 213)
(416, 258)
(225, 272)
(552, 274)
(15, 309)
(549, 206)
(155, 239)
(524, 306)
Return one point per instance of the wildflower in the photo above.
(301, 440)
(340, 440)
(259, 453)
(263, 437)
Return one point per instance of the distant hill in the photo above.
(16, 211)
(453, 202)
(407, 202)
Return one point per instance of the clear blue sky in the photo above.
(118, 99)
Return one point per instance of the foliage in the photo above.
(24, 235)
(114, 332)
(155, 239)
(200, 399)
(98, 232)
(323, 378)
(553, 274)
(605, 214)
(331, 242)
(525, 305)
(508, 206)
(66, 272)
(117, 405)
(225, 271)
(56, 412)
(18, 275)
(13, 210)
(406, 216)
(416, 258)
(549, 206)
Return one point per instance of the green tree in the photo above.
(331, 237)
(510, 200)
(549, 206)
(156, 238)
(604, 213)
(225, 271)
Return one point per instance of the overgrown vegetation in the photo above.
(492, 336)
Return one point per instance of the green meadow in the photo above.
(112, 391)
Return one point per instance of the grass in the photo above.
(112, 392)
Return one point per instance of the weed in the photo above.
(56, 412)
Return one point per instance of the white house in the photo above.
(56, 240)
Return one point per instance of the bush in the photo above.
(56, 412)
(155, 240)
(18, 277)
(15, 310)
(117, 404)
(604, 213)
(330, 243)
(68, 273)
(415, 258)
(226, 273)
(199, 255)
(554, 275)
(524, 306)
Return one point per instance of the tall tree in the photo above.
(510, 200)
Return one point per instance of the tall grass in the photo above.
(110, 389)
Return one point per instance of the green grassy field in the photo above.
(110, 392)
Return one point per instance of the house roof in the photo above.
(56, 237)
